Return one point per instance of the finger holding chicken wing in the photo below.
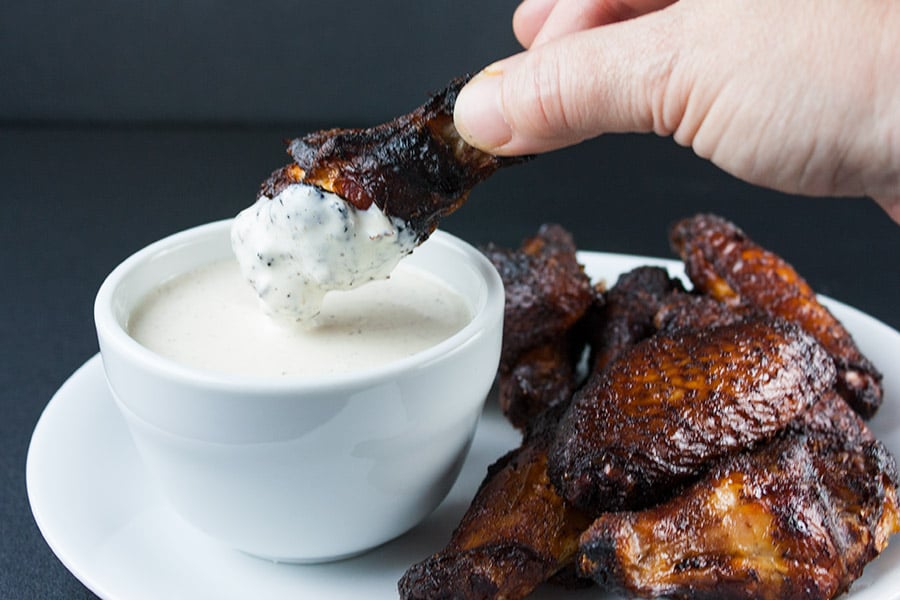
(353, 203)
(416, 167)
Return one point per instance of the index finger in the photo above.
(569, 16)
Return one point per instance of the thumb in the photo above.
(608, 79)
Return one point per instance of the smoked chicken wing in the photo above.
(416, 167)
(665, 409)
(694, 311)
(723, 262)
(516, 534)
(547, 295)
(717, 414)
(799, 517)
(626, 314)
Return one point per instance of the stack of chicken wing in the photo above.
(716, 447)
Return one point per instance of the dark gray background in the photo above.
(121, 122)
(227, 61)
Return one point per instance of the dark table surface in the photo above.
(78, 200)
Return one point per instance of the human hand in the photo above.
(800, 96)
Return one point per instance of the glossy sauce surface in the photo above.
(211, 319)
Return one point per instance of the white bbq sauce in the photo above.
(210, 319)
(305, 242)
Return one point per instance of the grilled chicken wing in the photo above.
(666, 408)
(714, 415)
(416, 167)
(723, 262)
(693, 311)
(796, 518)
(547, 294)
(517, 532)
(626, 314)
(540, 377)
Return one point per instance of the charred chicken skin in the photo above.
(626, 315)
(669, 406)
(692, 311)
(722, 425)
(415, 167)
(547, 295)
(517, 533)
(798, 517)
(540, 377)
(723, 262)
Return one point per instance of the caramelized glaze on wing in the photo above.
(723, 262)
(693, 311)
(517, 532)
(715, 413)
(797, 518)
(416, 167)
(540, 377)
(547, 294)
(669, 406)
(626, 315)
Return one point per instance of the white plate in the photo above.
(93, 502)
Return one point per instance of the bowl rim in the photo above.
(115, 338)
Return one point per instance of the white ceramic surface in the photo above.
(92, 500)
(302, 468)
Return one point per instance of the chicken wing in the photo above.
(627, 311)
(665, 409)
(547, 295)
(799, 517)
(540, 377)
(722, 261)
(695, 311)
(517, 532)
(415, 167)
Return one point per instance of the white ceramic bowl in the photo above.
(302, 469)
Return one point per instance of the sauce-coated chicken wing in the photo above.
(547, 294)
(415, 167)
(722, 261)
(665, 409)
(799, 517)
(516, 534)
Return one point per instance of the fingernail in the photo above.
(477, 114)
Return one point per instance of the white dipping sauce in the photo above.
(304, 242)
(210, 319)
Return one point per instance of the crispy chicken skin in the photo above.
(666, 408)
(626, 315)
(547, 295)
(415, 167)
(723, 262)
(693, 311)
(798, 517)
(517, 532)
(547, 290)
(540, 377)
(711, 441)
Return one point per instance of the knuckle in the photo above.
(537, 101)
